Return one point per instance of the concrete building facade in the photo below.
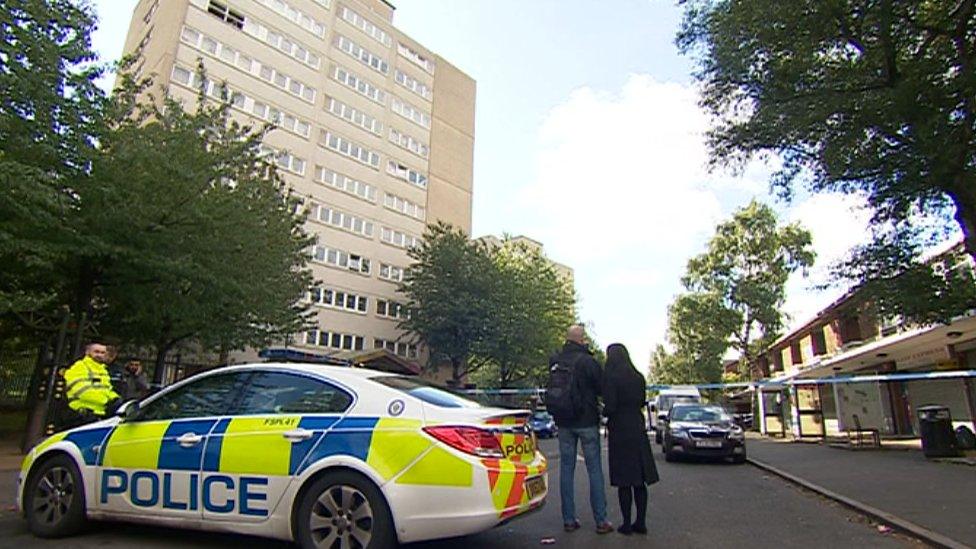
(374, 132)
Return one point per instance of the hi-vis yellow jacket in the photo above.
(89, 386)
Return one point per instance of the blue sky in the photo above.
(589, 140)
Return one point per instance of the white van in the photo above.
(660, 405)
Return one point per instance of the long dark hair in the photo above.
(619, 363)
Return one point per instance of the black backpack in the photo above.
(563, 398)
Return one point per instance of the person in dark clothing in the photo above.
(629, 450)
(583, 429)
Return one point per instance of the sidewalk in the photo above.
(891, 483)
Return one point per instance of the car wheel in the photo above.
(739, 458)
(670, 456)
(657, 437)
(54, 499)
(347, 508)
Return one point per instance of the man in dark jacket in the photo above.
(585, 428)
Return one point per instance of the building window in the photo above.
(415, 57)
(296, 16)
(404, 206)
(365, 25)
(285, 160)
(819, 341)
(348, 148)
(410, 143)
(398, 238)
(224, 13)
(340, 258)
(345, 184)
(335, 340)
(342, 220)
(391, 309)
(364, 56)
(410, 112)
(412, 84)
(400, 171)
(338, 299)
(150, 12)
(358, 84)
(391, 272)
(354, 116)
(283, 43)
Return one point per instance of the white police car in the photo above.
(321, 455)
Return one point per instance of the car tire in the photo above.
(669, 455)
(344, 506)
(54, 499)
(657, 437)
(739, 458)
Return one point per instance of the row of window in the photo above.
(354, 116)
(335, 340)
(286, 44)
(410, 112)
(392, 273)
(406, 173)
(297, 16)
(285, 160)
(404, 206)
(343, 220)
(400, 348)
(410, 143)
(399, 239)
(340, 258)
(222, 51)
(329, 297)
(364, 25)
(391, 309)
(363, 55)
(349, 148)
(345, 184)
(412, 84)
(358, 84)
(414, 56)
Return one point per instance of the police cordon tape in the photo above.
(905, 376)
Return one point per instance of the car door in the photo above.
(279, 419)
(151, 462)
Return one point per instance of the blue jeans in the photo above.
(589, 437)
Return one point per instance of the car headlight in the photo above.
(737, 433)
(679, 433)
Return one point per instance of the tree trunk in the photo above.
(965, 201)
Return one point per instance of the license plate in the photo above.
(535, 486)
(708, 443)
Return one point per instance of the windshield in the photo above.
(541, 416)
(696, 413)
(431, 394)
(668, 401)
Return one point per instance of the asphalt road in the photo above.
(696, 504)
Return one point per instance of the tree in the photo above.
(212, 252)
(738, 285)
(874, 98)
(532, 307)
(49, 105)
(699, 325)
(448, 289)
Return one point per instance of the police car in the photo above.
(321, 455)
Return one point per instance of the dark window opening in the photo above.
(224, 13)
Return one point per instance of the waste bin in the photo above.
(935, 424)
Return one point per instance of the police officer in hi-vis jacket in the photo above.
(88, 385)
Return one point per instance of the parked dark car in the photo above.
(703, 430)
(543, 425)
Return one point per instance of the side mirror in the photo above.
(128, 410)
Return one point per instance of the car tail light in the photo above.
(470, 440)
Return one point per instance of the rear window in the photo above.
(429, 393)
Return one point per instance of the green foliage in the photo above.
(532, 307)
(874, 98)
(209, 250)
(49, 107)
(493, 313)
(448, 290)
(736, 290)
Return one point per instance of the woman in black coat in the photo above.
(631, 462)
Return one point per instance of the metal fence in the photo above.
(15, 376)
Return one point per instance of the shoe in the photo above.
(638, 528)
(625, 529)
(604, 528)
(571, 526)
